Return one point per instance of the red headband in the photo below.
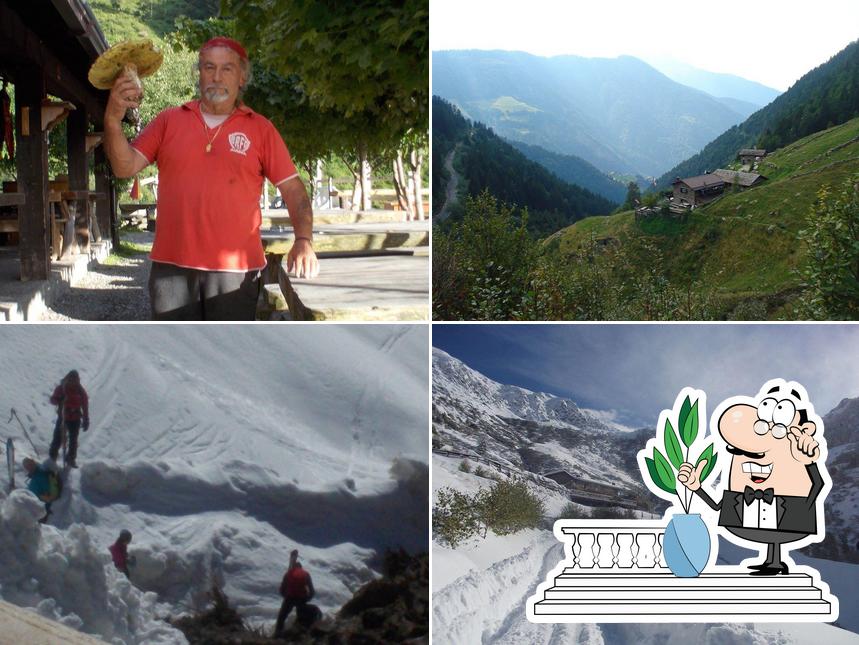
(223, 41)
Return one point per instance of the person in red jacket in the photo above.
(119, 552)
(296, 589)
(73, 414)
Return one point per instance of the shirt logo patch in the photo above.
(239, 142)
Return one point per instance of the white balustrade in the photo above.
(612, 545)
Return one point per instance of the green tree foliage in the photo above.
(368, 58)
(480, 268)
(633, 194)
(173, 84)
(827, 95)
(489, 163)
(832, 235)
(487, 267)
(509, 507)
(453, 517)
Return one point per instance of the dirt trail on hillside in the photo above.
(452, 184)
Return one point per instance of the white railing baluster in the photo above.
(587, 556)
(625, 558)
(606, 557)
(620, 545)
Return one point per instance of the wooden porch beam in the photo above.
(32, 163)
(23, 53)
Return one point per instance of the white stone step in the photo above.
(587, 580)
(719, 609)
(633, 594)
(625, 597)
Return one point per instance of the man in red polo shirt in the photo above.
(212, 155)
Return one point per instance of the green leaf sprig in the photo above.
(660, 469)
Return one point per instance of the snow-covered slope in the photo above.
(221, 448)
(530, 431)
(480, 588)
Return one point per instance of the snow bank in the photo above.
(221, 448)
(480, 590)
(40, 564)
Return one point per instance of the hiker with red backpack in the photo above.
(296, 589)
(72, 415)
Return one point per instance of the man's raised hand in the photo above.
(690, 476)
(125, 94)
(803, 446)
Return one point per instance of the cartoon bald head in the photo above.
(771, 441)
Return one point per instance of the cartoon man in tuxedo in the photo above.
(773, 482)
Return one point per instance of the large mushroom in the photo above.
(135, 58)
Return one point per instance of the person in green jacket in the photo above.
(44, 482)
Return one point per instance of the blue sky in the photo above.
(636, 370)
(773, 42)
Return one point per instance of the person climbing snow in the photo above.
(72, 415)
(119, 552)
(296, 589)
(44, 482)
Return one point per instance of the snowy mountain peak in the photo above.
(841, 424)
(454, 379)
(533, 432)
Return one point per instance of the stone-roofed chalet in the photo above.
(741, 179)
(694, 191)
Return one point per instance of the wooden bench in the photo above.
(130, 212)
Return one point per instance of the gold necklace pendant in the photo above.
(206, 131)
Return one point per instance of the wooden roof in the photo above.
(61, 38)
(701, 181)
(752, 152)
(744, 179)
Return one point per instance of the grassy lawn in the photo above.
(126, 251)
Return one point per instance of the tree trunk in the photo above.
(318, 186)
(310, 168)
(366, 181)
(399, 182)
(356, 193)
(417, 160)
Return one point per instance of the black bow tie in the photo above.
(750, 495)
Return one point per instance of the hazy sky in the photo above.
(767, 41)
(636, 371)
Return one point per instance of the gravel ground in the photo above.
(109, 291)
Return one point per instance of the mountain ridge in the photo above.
(620, 114)
(826, 96)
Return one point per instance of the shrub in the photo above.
(480, 471)
(508, 507)
(572, 511)
(464, 466)
(453, 517)
(832, 273)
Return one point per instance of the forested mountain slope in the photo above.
(827, 95)
(487, 162)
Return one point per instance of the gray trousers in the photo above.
(177, 293)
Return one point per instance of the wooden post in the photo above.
(79, 171)
(31, 147)
(114, 218)
(102, 186)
